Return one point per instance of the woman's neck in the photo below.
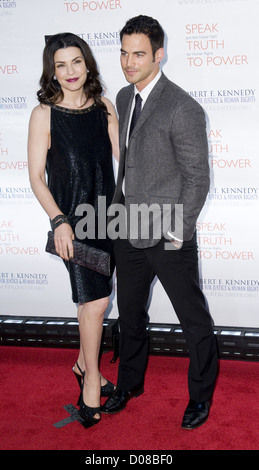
(75, 100)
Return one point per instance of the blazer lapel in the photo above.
(124, 120)
(150, 104)
(123, 127)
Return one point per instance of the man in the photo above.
(164, 161)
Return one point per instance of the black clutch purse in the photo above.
(87, 256)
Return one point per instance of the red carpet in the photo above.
(37, 383)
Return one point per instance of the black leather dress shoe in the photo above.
(119, 400)
(195, 414)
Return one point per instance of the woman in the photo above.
(72, 135)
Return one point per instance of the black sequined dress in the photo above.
(80, 171)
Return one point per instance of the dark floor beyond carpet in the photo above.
(36, 384)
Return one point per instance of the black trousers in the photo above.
(177, 271)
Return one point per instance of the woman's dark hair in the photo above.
(145, 25)
(50, 91)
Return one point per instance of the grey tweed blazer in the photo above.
(166, 161)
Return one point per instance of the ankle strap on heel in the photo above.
(79, 368)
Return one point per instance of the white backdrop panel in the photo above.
(211, 51)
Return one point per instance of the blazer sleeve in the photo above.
(191, 150)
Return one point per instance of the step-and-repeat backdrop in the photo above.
(212, 52)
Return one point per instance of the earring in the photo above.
(54, 78)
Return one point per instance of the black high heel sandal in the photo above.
(80, 380)
(106, 390)
(88, 413)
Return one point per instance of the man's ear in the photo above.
(159, 55)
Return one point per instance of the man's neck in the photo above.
(143, 84)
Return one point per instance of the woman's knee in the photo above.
(102, 304)
(94, 308)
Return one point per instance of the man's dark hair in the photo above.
(145, 25)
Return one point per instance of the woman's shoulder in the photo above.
(40, 112)
(109, 105)
(107, 102)
(40, 118)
